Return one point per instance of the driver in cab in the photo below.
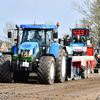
(36, 35)
(78, 40)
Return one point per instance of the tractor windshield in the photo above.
(30, 35)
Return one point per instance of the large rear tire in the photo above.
(61, 67)
(5, 74)
(46, 70)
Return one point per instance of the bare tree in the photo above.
(84, 23)
(91, 11)
(8, 27)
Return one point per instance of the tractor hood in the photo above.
(28, 45)
(31, 47)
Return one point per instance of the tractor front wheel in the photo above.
(5, 74)
(46, 70)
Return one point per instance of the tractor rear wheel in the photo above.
(5, 74)
(46, 70)
(61, 67)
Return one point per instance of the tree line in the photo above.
(91, 11)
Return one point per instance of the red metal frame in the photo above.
(77, 64)
(90, 51)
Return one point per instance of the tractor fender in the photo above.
(60, 50)
(49, 55)
(56, 49)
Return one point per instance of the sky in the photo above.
(40, 11)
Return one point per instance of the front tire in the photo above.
(46, 70)
(61, 67)
(5, 74)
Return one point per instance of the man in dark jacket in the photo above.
(66, 40)
(78, 40)
(36, 35)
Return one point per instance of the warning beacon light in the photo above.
(88, 26)
(58, 24)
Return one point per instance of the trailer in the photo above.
(81, 60)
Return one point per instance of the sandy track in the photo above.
(85, 89)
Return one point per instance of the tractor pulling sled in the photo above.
(37, 52)
(81, 54)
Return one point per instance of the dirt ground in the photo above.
(84, 89)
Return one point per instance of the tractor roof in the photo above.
(38, 26)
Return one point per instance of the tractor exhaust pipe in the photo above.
(18, 38)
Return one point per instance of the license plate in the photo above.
(25, 64)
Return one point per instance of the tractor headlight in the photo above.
(31, 52)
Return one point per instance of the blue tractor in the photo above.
(37, 52)
(0, 54)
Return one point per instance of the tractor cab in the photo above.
(43, 35)
(36, 40)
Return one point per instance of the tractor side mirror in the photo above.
(55, 35)
(9, 34)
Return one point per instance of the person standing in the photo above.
(66, 40)
(78, 40)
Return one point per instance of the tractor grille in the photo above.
(25, 51)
